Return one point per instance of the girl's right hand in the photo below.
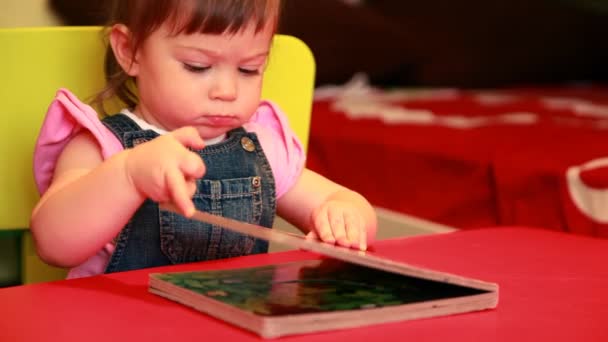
(165, 170)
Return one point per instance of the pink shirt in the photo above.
(68, 116)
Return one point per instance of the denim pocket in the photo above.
(184, 240)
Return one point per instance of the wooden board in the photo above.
(349, 288)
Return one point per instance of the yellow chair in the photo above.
(38, 61)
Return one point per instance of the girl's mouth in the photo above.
(221, 120)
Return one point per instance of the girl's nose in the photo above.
(224, 87)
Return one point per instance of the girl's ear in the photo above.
(120, 40)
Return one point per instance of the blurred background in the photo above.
(465, 43)
(441, 44)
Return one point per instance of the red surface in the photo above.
(552, 288)
(494, 174)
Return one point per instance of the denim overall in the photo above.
(238, 184)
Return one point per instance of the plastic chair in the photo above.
(38, 61)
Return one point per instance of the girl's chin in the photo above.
(212, 133)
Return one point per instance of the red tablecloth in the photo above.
(472, 158)
(552, 288)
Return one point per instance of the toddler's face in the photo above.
(211, 82)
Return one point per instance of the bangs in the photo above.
(222, 16)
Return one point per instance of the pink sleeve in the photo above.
(281, 146)
(65, 118)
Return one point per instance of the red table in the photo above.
(470, 158)
(553, 287)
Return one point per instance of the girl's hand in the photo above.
(339, 222)
(165, 170)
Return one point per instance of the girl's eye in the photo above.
(196, 68)
(249, 72)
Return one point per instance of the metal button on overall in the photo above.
(256, 182)
(247, 144)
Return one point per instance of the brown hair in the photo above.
(143, 17)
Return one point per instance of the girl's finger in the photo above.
(336, 221)
(322, 227)
(353, 229)
(191, 186)
(192, 165)
(179, 192)
(362, 234)
(189, 137)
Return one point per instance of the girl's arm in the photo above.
(87, 204)
(90, 200)
(324, 209)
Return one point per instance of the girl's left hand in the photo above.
(339, 222)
